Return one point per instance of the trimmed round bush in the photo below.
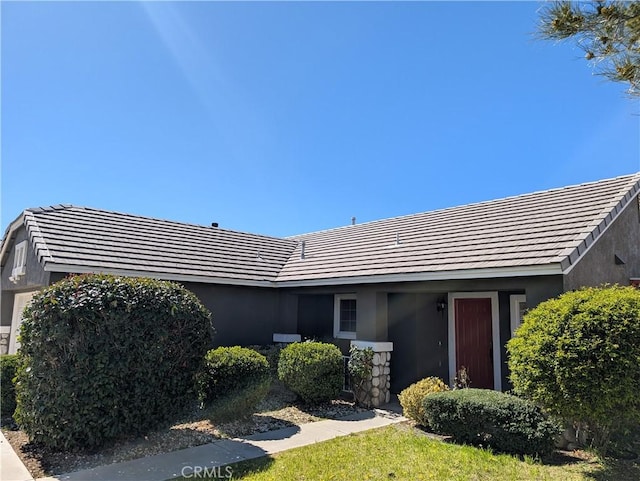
(412, 398)
(234, 372)
(107, 357)
(578, 356)
(8, 370)
(312, 370)
(490, 418)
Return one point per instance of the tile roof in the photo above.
(89, 240)
(542, 232)
(539, 230)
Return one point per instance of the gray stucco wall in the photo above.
(241, 315)
(405, 313)
(35, 277)
(598, 265)
(420, 338)
(372, 298)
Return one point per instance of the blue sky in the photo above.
(282, 118)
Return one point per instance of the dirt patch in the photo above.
(277, 411)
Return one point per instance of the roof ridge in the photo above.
(36, 210)
(635, 175)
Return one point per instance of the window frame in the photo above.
(20, 259)
(337, 332)
(515, 312)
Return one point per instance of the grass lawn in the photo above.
(401, 453)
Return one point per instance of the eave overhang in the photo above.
(75, 269)
(498, 272)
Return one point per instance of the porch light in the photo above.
(441, 304)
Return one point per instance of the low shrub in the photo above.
(412, 398)
(106, 357)
(490, 418)
(312, 370)
(8, 370)
(233, 373)
(272, 353)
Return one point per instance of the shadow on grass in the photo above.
(564, 458)
(609, 469)
(252, 466)
(618, 470)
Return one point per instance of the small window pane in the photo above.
(348, 315)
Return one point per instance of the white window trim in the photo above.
(514, 304)
(495, 333)
(20, 259)
(337, 333)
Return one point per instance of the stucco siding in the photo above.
(6, 307)
(598, 266)
(35, 277)
(241, 315)
(315, 316)
(405, 313)
(419, 335)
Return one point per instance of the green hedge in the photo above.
(312, 370)
(491, 418)
(8, 370)
(236, 373)
(106, 357)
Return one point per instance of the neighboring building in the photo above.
(445, 288)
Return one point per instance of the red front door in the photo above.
(474, 340)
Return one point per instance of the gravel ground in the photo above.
(277, 411)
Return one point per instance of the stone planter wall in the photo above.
(5, 332)
(375, 392)
(571, 439)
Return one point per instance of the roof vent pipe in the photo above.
(353, 221)
(214, 224)
(304, 243)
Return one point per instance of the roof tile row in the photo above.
(543, 228)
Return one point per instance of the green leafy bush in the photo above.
(313, 370)
(8, 369)
(272, 353)
(480, 416)
(578, 355)
(412, 398)
(236, 373)
(360, 368)
(106, 357)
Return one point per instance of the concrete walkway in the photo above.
(11, 468)
(210, 458)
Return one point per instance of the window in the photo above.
(518, 306)
(345, 316)
(20, 260)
